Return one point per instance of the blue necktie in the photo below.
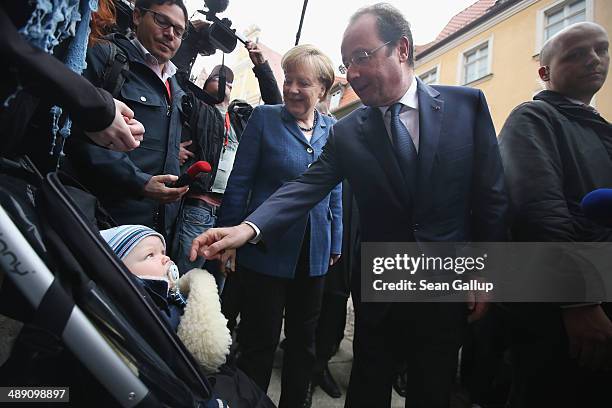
(404, 147)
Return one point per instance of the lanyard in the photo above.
(227, 129)
(169, 92)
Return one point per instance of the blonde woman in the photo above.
(278, 144)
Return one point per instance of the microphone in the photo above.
(191, 174)
(597, 206)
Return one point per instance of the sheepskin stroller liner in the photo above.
(88, 323)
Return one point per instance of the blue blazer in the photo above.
(271, 152)
(459, 194)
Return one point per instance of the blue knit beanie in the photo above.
(124, 238)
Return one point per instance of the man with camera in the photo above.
(132, 186)
(215, 138)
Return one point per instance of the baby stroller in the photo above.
(86, 324)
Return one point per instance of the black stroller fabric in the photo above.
(235, 387)
(69, 244)
(61, 221)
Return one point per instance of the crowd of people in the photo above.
(292, 192)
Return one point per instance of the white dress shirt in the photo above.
(409, 114)
(151, 62)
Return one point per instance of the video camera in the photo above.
(218, 35)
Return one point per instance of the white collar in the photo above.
(169, 67)
(410, 98)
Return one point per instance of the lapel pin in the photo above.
(435, 107)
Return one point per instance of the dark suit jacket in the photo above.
(460, 192)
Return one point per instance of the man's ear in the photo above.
(403, 47)
(136, 17)
(544, 73)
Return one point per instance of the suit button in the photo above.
(415, 227)
(142, 98)
(309, 164)
(309, 150)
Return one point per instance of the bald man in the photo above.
(555, 150)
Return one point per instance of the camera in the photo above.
(217, 35)
(206, 40)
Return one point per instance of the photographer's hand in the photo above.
(199, 24)
(157, 190)
(185, 154)
(255, 53)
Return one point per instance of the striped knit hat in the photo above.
(124, 238)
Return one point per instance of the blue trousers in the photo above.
(193, 221)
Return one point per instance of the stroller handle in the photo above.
(23, 266)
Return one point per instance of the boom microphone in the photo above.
(191, 174)
(216, 6)
(597, 206)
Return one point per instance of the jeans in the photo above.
(193, 221)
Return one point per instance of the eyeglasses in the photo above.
(359, 58)
(164, 22)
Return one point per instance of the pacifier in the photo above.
(173, 285)
(173, 274)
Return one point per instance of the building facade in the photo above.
(494, 46)
(246, 86)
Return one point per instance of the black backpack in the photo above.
(116, 69)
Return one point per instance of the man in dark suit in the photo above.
(426, 169)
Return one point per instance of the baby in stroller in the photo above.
(190, 303)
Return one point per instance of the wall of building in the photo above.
(514, 52)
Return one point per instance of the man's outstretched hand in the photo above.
(212, 243)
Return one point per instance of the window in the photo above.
(335, 99)
(430, 77)
(476, 63)
(562, 15)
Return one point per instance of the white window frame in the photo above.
(541, 19)
(428, 72)
(461, 61)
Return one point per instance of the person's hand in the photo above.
(212, 243)
(157, 190)
(118, 135)
(333, 258)
(136, 128)
(478, 304)
(255, 53)
(590, 335)
(228, 261)
(185, 154)
(199, 24)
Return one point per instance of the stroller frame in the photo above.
(30, 274)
